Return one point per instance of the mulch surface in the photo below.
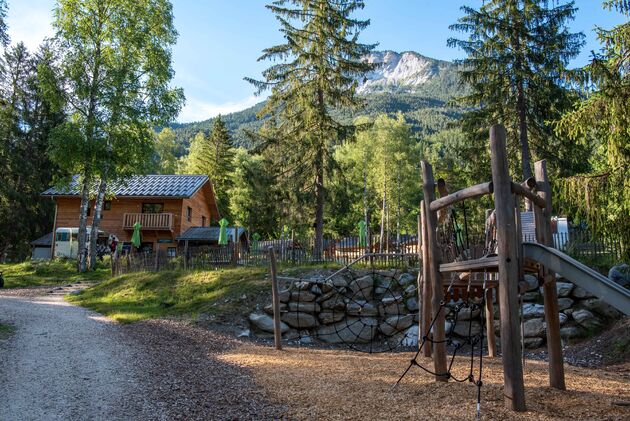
(206, 374)
(188, 379)
(333, 384)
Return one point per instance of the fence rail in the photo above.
(392, 252)
(588, 248)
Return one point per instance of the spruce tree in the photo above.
(221, 164)
(517, 52)
(316, 69)
(601, 119)
(213, 155)
(4, 37)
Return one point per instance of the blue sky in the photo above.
(220, 40)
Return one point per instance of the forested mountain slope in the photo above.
(418, 86)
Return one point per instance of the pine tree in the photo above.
(602, 118)
(221, 164)
(318, 68)
(213, 155)
(4, 37)
(517, 52)
(26, 120)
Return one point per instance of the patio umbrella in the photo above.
(136, 239)
(255, 239)
(223, 239)
(362, 233)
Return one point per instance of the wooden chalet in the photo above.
(165, 205)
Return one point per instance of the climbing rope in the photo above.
(472, 340)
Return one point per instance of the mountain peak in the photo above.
(400, 72)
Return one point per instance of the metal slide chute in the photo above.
(580, 274)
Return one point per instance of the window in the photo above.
(152, 207)
(107, 205)
(203, 221)
(171, 252)
(188, 213)
(62, 236)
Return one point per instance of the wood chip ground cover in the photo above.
(332, 384)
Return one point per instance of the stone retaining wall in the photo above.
(361, 306)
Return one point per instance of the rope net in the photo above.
(472, 342)
(367, 310)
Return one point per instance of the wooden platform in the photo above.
(487, 264)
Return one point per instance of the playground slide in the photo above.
(581, 275)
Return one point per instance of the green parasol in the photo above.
(362, 233)
(255, 239)
(223, 238)
(136, 239)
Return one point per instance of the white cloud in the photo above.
(198, 110)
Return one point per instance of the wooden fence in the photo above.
(392, 252)
(389, 253)
(588, 248)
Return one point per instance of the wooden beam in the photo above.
(426, 282)
(514, 388)
(275, 297)
(467, 193)
(544, 236)
(490, 263)
(492, 346)
(439, 349)
(525, 192)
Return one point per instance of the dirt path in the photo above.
(64, 362)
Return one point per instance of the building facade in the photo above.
(165, 205)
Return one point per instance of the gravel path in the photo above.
(67, 363)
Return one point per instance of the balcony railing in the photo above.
(149, 221)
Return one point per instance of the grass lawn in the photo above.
(145, 295)
(47, 272)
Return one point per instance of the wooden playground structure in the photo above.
(501, 268)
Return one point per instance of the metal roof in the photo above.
(207, 233)
(176, 186)
(45, 241)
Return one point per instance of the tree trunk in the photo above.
(83, 209)
(522, 127)
(319, 209)
(383, 210)
(98, 210)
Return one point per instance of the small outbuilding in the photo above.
(41, 249)
(203, 236)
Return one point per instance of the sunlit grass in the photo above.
(145, 295)
(47, 272)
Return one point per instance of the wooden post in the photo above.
(439, 349)
(275, 296)
(514, 389)
(492, 346)
(156, 263)
(426, 282)
(186, 254)
(544, 236)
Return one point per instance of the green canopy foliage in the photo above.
(316, 70)
(213, 155)
(115, 70)
(379, 172)
(516, 53)
(601, 120)
(26, 120)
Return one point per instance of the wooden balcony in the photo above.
(149, 221)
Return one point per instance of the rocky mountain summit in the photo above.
(401, 72)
